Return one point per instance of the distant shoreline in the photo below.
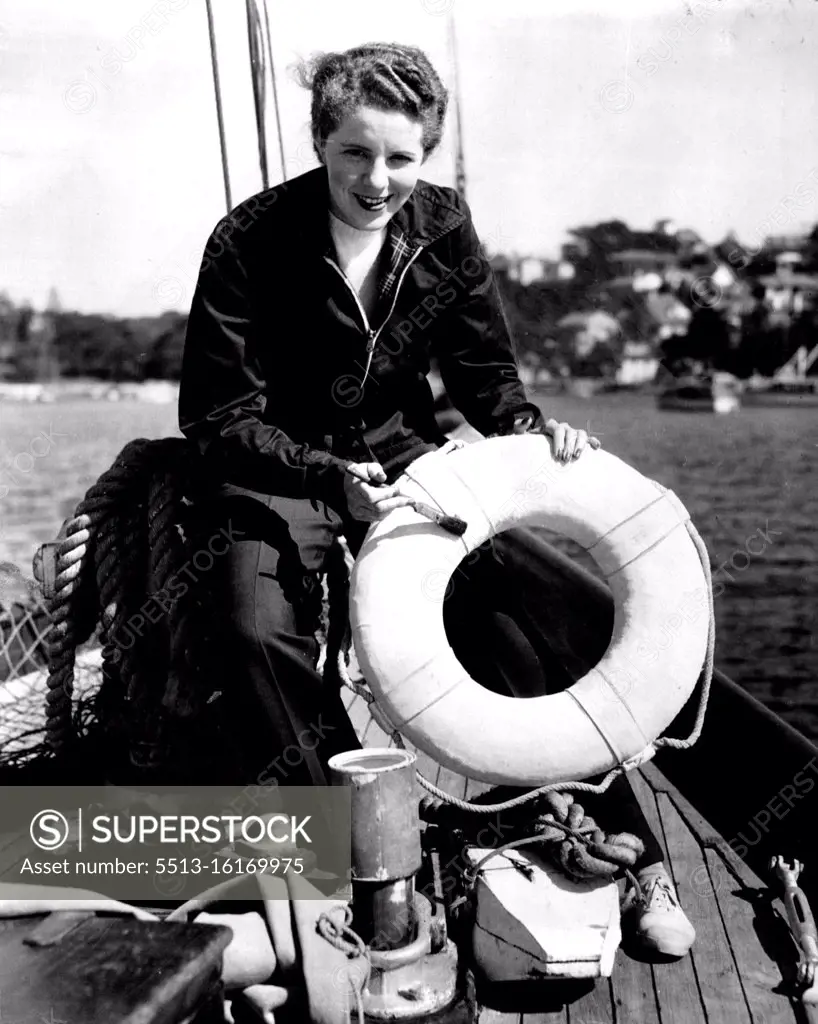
(154, 391)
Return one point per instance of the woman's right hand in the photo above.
(368, 497)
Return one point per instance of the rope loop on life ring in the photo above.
(441, 796)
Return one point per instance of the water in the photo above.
(51, 454)
(747, 480)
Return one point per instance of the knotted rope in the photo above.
(343, 937)
(120, 547)
(572, 839)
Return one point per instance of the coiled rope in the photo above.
(120, 547)
(572, 839)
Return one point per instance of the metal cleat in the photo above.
(802, 926)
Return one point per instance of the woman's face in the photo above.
(373, 161)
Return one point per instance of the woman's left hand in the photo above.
(567, 443)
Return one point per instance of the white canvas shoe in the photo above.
(657, 923)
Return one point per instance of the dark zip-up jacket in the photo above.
(275, 390)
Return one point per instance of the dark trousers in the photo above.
(275, 720)
(279, 721)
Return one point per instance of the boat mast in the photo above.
(459, 159)
(275, 91)
(214, 60)
(255, 43)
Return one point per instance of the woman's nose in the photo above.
(377, 175)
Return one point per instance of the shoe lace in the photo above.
(658, 894)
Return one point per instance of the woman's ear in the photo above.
(320, 147)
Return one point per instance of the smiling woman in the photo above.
(305, 423)
(373, 161)
(373, 154)
(303, 420)
(373, 150)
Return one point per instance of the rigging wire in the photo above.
(275, 90)
(258, 74)
(214, 60)
(459, 159)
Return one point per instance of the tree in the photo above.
(164, 360)
(598, 243)
(24, 356)
(811, 252)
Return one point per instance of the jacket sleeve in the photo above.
(473, 345)
(223, 393)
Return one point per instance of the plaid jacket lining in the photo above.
(394, 259)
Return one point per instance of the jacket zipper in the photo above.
(372, 336)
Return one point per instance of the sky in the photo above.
(574, 111)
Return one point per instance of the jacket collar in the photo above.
(428, 214)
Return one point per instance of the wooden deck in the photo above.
(743, 951)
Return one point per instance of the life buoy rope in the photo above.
(648, 527)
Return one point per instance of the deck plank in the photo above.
(594, 1008)
(634, 990)
(744, 910)
(707, 835)
(712, 955)
(758, 972)
(676, 988)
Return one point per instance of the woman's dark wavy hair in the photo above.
(386, 76)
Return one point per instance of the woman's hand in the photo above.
(368, 497)
(566, 442)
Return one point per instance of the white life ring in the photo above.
(635, 531)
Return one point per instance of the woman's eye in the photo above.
(355, 152)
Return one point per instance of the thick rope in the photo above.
(64, 634)
(573, 868)
(572, 839)
(74, 564)
(114, 535)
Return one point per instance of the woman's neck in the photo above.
(358, 253)
(353, 235)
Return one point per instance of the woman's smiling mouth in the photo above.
(372, 203)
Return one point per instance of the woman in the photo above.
(318, 307)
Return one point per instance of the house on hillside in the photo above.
(528, 269)
(792, 241)
(630, 262)
(637, 365)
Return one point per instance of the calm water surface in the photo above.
(742, 477)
